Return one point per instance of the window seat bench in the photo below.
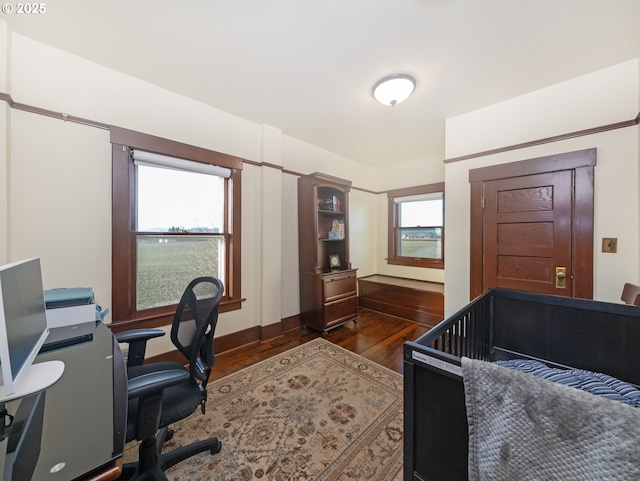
(419, 301)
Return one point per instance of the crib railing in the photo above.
(467, 333)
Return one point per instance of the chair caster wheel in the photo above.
(170, 434)
(217, 448)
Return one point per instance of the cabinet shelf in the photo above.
(330, 212)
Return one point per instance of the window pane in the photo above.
(421, 213)
(420, 243)
(166, 265)
(416, 226)
(171, 200)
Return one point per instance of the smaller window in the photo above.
(416, 226)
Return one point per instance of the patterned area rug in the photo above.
(315, 412)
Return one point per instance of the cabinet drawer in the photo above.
(340, 311)
(338, 286)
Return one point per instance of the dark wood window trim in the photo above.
(393, 258)
(123, 222)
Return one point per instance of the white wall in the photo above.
(59, 192)
(50, 78)
(409, 174)
(4, 149)
(305, 158)
(601, 98)
(429, 170)
(269, 230)
(289, 284)
(60, 201)
(362, 232)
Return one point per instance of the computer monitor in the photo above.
(23, 331)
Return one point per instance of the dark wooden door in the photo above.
(528, 233)
(530, 218)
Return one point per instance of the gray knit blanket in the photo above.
(525, 428)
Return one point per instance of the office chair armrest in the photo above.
(137, 340)
(138, 335)
(155, 382)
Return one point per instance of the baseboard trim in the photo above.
(256, 334)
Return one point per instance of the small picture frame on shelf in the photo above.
(334, 262)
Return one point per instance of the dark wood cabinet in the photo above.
(328, 284)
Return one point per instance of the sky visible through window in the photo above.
(424, 213)
(180, 199)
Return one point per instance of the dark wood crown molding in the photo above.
(547, 140)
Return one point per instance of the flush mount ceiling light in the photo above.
(394, 88)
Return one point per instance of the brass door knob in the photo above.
(561, 277)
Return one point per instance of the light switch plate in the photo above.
(610, 244)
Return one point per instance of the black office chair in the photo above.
(165, 392)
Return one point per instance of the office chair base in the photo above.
(152, 463)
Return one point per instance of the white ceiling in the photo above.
(307, 68)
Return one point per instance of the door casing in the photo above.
(581, 164)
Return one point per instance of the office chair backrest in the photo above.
(194, 325)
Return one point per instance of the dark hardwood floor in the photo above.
(377, 336)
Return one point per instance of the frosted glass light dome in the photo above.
(393, 89)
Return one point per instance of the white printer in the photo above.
(71, 306)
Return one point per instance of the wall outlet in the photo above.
(610, 244)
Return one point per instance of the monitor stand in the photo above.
(39, 377)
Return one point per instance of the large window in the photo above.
(416, 226)
(175, 217)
